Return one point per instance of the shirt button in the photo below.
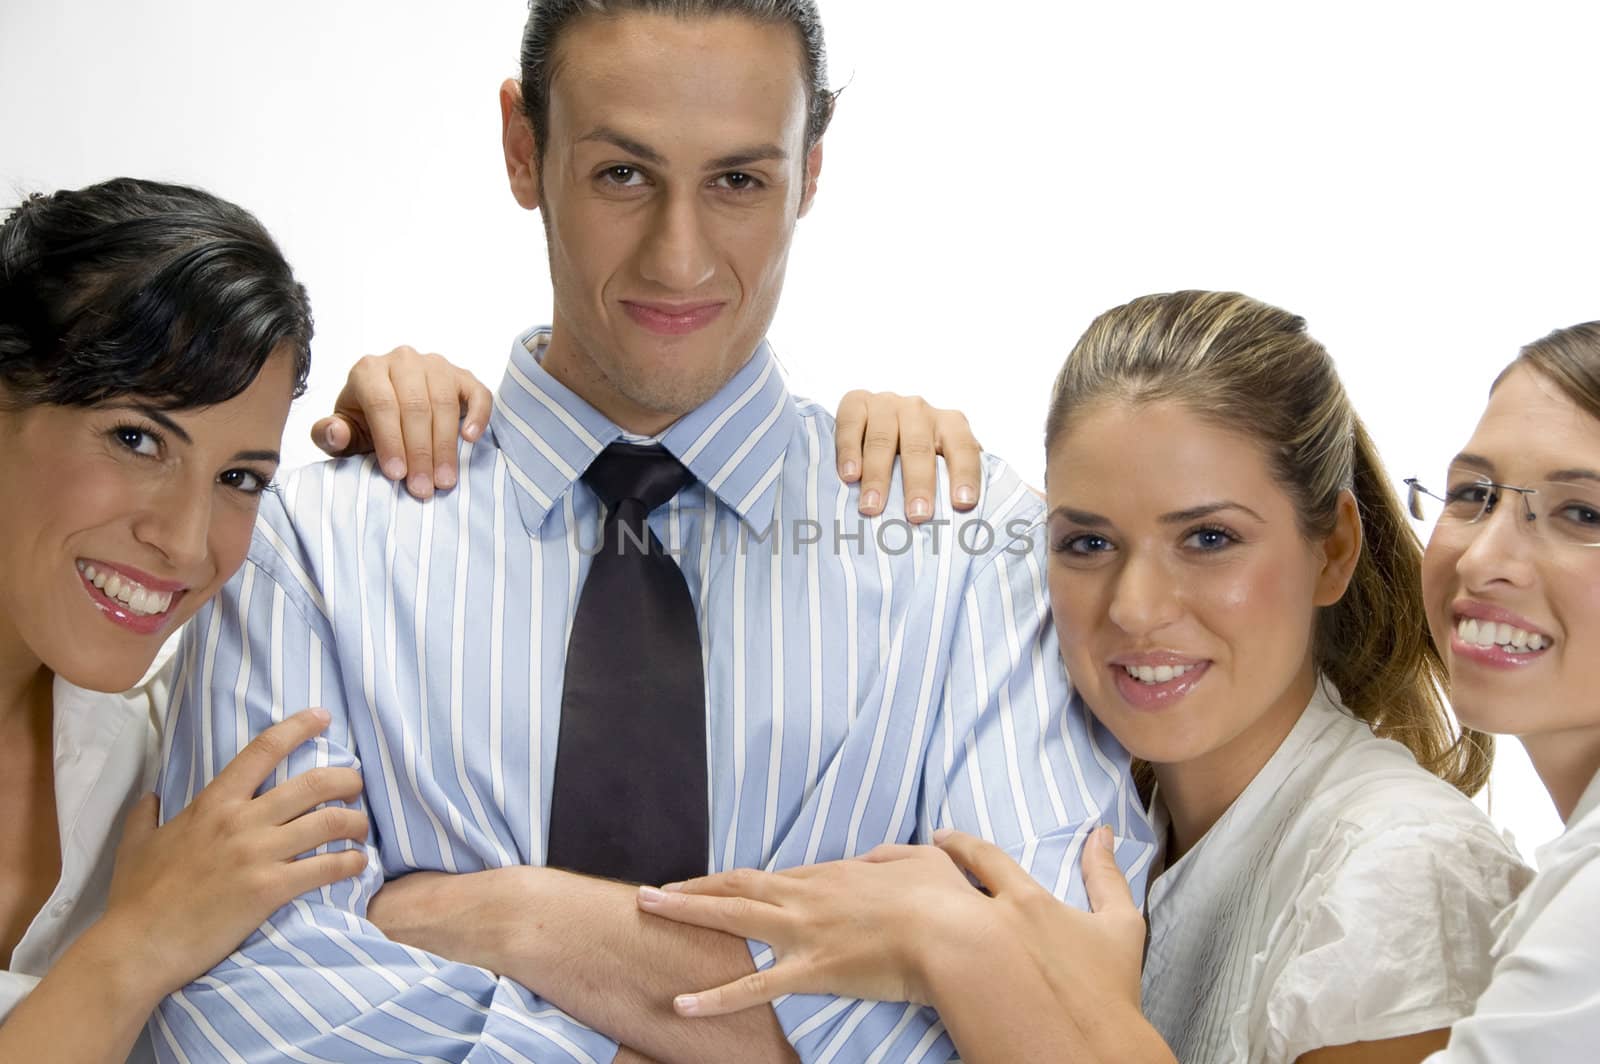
(62, 907)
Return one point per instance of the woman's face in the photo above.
(124, 519)
(1183, 589)
(1516, 577)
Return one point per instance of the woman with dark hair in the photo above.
(151, 339)
(1234, 583)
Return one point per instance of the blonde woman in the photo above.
(1234, 585)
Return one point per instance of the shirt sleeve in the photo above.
(317, 982)
(1543, 1000)
(1009, 755)
(1389, 934)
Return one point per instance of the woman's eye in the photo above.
(137, 440)
(1208, 539)
(1084, 544)
(1582, 514)
(244, 480)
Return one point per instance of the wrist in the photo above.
(125, 972)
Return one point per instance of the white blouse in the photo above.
(107, 753)
(1543, 1001)
(1346, 896)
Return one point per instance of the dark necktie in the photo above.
(629, 800)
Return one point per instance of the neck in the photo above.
(1566, 763)
(24, 680)
(569, 366)
(1198, 791)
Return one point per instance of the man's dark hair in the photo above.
(547, 18)
(133, 287)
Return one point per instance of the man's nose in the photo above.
(678, 253)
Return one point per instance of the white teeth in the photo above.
(1154, 674)
(136, 597)
(1516, 640)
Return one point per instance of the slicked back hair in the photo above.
(548, 18)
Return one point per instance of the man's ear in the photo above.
(1340, 552)
(813, 168)
(516, 136)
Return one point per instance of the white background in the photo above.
(1418, 179)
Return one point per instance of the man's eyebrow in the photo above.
(762, 153)
(607, 135)
(1196, 513)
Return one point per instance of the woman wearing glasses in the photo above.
(1511, 583)
(1235, 587)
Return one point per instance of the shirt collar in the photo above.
(733, 443)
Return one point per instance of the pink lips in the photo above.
(118, 612)
(1157, 695)
(1495, 656)
(670, 319)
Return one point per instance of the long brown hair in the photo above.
(1252, 368)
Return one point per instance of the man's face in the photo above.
(675, 172)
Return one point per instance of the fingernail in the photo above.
(850, 470)
(471, 429)
(1102, 837)
(651, 896)
(966, 495)
(919, 509)
(943, 833)
(329, 438)
(395, 469)
(445, 477)
(673, 888)
(871, 500)
(686, 1004)
(420, 486)
(321, 714)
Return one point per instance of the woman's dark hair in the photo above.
(547, 18)
(133, 287)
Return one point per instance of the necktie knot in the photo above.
(644, 473)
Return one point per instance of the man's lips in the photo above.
(673, 319)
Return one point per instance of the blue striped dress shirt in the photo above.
(865, 683)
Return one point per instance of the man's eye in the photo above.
(626, 176)
(739, 182)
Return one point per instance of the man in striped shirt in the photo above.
(866, 681)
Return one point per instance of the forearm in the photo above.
(94, 978)
(1000, 1007)
(583, 945)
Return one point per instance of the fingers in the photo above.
(320, 870)
(444, 393)
(993, 867)
(757, 988)
(318, 828)
(736, 883)
(739, 916)
(919, 471)
(1104, 881)
(477, 402)
(850, 425)
(880, 441)
(299, 794)
(418, 413)
(334, 435)
(963, 456)
(249, 769)
(890, 851)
